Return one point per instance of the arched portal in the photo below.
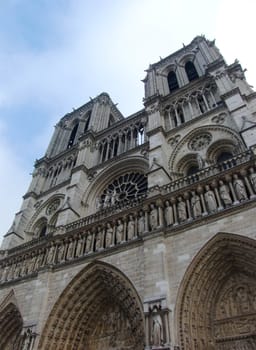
(99, 310)
(10, 324)
(216, 307)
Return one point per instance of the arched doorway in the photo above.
(99, 310)
(216, 307)
(11, 324)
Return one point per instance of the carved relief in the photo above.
(113, 331)
(219, 308)
(236, 314)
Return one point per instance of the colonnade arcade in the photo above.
(217, 298)
(99, 310)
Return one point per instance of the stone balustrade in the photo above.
(168, 209)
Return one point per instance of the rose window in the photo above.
(53, 206)
(200, 142)
(123, 189)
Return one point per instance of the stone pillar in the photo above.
(175, 216)
(229, 181)
(186, 196)
(247, 184)
(200, 191)
(159, 204)
(215, 188)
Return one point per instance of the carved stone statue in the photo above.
(168, 214)
(11, 272)
(114, 197)
(224, 194)
(61, 251)
(88, 245)
(252, 177)
(24, 266)
(141, 223)
(153, 217)
(109, 235)
(200, 161)
(196, 204)
(239, 188)
(70, 250)
(181, 207)
(210, 199)
(131, 228)
(26, 341)
(80, 246)
(157, 330)
(107, 199)
(50, 255)
(98, 239)
(119, 231)
(242, 299)
(98, 203)
(5, 274)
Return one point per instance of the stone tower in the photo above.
(138, 232)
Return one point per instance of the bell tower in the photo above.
(54, 195)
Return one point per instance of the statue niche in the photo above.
(112, 331)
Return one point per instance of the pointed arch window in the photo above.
(224, 156)
(111, 120)
(72, 136)
(191, 71)
(193, 169)
(172, 81)
(87, 121)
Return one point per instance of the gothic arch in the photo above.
(222, 146)
(44, 211)
(223, 133)
(216, 306)
(99, 309)
(186, 163)
(132, 164)
(11, 323)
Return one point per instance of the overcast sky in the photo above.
(54, 54)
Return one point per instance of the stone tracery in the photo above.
(123, 189)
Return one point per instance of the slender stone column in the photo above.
(200, 191)
(191, 109)
(186, 196)
(247, 183)
(173, 201)
(159, 204)
(146, 209)
(229, 181)
(177, 116)
(213, 97)
(217, 195)
(206, 103)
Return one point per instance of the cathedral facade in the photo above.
(139, 232)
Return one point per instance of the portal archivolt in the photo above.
(217, 299)
(11, 324)
(99, 310)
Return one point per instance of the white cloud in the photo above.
(102, 46)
